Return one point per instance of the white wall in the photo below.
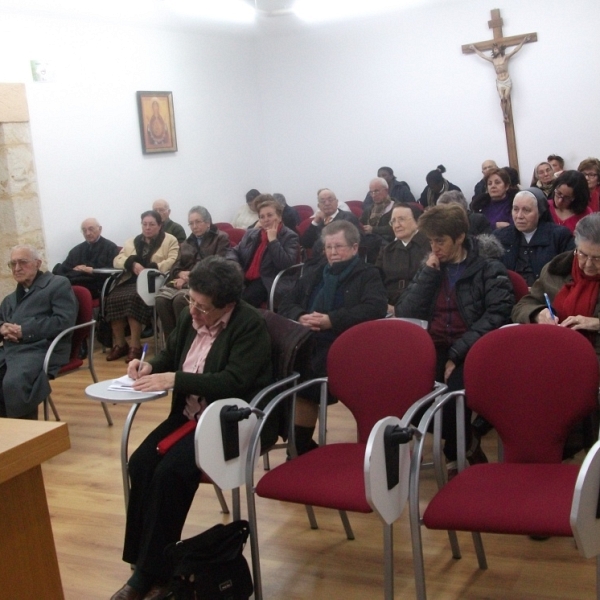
(85, 125)
(344, 99)
(288, 107)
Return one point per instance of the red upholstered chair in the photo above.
(304, 211)
(226, 227)
(520, 286)
(356, 206)
(83, 329)
(235, 235)
(533, 397)
(377, 369)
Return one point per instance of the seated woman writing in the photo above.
(329, 299)
(572, 282)
(219, 349)
(265, 250)
(153, 248)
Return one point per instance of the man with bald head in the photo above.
(95, 252)
(42, 306)
(327, 212)
(376, 219)
(175, 229)
(486, 167)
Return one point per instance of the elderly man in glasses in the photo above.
(40, 308)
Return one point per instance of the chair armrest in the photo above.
(267, 390)
(279, 275)
(266, 412)
(61, 335)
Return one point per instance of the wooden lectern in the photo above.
(28, 563)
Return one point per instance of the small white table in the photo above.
(107, 271)
(99, 391)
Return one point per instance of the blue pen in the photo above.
(144, 356)
(547, 304)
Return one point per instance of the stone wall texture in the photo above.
(20, 214)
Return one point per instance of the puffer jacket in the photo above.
(484, 295)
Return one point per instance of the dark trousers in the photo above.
(455, 382)
(255, 293)
(32, 416)
(162, 491)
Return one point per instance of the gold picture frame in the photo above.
(157, 122)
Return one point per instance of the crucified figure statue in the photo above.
(500, 59)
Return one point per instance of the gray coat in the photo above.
(47, 308)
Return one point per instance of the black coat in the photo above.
(363, 292)
(548, 241)
(399, 191)
(99, 255)
(484, 295)
(311, 238)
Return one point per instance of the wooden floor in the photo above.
(86, 505)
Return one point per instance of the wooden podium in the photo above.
(28, 563)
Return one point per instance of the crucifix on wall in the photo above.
(499, 59)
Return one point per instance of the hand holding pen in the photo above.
(547, 316)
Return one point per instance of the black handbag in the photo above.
(211, 566)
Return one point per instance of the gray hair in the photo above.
(33, 251)
(204, 214)
(351, 233)
(588, 230)
(490, 246)
(280, 198)
(381, 181)
(453, 197)
(326, 189)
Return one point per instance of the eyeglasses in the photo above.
(590, 175)
(399, 220)
(336, 248)
(560, 196)
(21, 262)
(197, 222)
(583, 257)
(193, 304)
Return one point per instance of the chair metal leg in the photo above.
(125, 452)
(221, 499)
(266, 462)
(256, 575)
(388, 561)
(454, 547)
(235, 502)
(479, 550)
(598, 577)
(48, 402)
(311, 516)
(107, 414)
(346, 523)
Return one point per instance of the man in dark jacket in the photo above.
(399, 191)
(534, 240)
(327, 212)
(164, 210)
(95, 253)
(329, 299)
(463, 296)
(42, 306)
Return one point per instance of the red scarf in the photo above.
(578, 297)
(253, 270)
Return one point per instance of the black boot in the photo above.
(304, 441)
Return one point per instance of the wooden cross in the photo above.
(499, 40)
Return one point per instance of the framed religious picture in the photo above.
(157, 122)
